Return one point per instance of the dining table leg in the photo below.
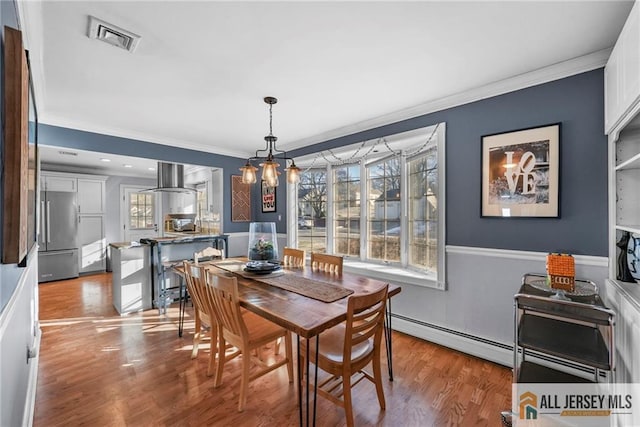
(315, 380)
(387, 338)
(306, 410)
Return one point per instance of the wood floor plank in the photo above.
(101, 369)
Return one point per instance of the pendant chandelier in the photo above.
(269, 162)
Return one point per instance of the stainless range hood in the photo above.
(171, 179)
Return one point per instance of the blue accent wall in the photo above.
(577, 102)
(81, 140)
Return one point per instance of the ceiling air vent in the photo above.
(67, 153)
(115, 36)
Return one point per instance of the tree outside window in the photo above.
(346, 209)
(423, 211)
(312, 210)
(384, 210)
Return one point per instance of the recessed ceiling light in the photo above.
(152, 169)
(105, 160)
(128, 166)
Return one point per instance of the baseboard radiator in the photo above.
(483, 348)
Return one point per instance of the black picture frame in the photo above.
(521, 173)
(268, 198)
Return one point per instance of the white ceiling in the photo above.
(201, 68)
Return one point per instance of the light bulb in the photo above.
(248, 173)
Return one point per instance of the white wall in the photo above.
(19, 331)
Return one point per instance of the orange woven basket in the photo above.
(561, 272)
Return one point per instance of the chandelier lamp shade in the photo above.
(269, 162)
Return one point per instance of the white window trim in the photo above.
(395, 273)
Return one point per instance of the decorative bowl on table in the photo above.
(260, 267)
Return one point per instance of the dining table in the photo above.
(306, 302)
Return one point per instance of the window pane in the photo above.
(346, 209)
(141, 210)
(312, 210)
(423, 209)
(384, 210)
(354, 172)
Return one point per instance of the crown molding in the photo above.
(553, 72)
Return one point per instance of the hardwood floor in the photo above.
(98, 368)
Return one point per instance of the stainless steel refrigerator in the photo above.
(58, 237)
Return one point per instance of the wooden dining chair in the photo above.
(206, 254)
(293, 257)
(246, 332)
(204, 311)
(346, 349)
(326, 262)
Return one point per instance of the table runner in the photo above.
(312, 288)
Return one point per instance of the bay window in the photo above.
(385, 207)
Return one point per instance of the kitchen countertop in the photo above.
(185, 233)
(125, 245)
(182, 238)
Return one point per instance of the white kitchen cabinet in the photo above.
(622, 74)
(59, 182)
(92, 251)
(91, 197)
(92, 254)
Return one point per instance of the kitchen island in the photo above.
(131, 280)
(166, 253)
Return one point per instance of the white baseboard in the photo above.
(474, 347)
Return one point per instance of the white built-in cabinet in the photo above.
(92, 243)
(91, 196)
(622, 125)
(622, 74)
(90, 190)
(58, 182)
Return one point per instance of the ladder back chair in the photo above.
(204, 311)
(293, 257)
(346, 349)
(246, 332)
(207, 254)
(327, 263)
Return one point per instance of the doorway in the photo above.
(139, 213)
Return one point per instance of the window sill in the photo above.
(394, 274)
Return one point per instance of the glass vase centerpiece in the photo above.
(263, 243)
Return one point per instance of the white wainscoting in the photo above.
(475, 314)
(20, 334)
